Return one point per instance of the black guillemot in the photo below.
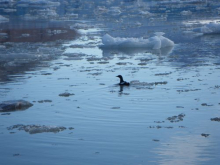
(122, 82)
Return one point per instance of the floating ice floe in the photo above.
(2, 46)
(33, 129)
(146, 13)
(3, 19)
(29, 17)
(66, 94)
(156, 42)
(211, 28)
(25, 35)
(47, 12)
(186, 12)
(114, 10)
(3, 35)
(9, 10)
(81, 26)
(101, 10)
(14, 105)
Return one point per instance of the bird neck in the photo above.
(121, 79)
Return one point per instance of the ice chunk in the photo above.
(115, 10)
(80, 26)
(2, 46)
(25, 35)
(3, 19)
(3, 35)
(9, 10)
(146, 13)
(14, 105)
(29, 17)
(101, 10)
(66, 94)
(186, 12)
(211, 28)
(156, 42)
(33, 129)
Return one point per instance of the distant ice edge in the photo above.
(211, 28)
(156, 42)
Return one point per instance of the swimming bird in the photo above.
(122, 82)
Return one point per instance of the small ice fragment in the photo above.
(80, 26)
(3, 35)
(56, 68)
(186, 12)
(9, 10)
(13, 105)
(33, 129)
(115, 10)
(25, 35)
(145, 13)
(2, 46)
(159, 33)
(3, 19)
(66, 94)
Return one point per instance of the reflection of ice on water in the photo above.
(184, 149)
(108, 52)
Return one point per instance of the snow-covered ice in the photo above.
(156, 42)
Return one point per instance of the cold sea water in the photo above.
(60, 102)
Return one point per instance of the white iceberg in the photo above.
(211, 28)
(156, 42)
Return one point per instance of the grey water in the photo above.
(51, 56)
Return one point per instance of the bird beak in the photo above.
(116, 76)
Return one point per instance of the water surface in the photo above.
(163, 117)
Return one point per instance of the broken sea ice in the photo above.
(13, 105)
(211, 28)
(156, 42)
(33, 129)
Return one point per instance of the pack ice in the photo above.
(156, 42)
(211, 28)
